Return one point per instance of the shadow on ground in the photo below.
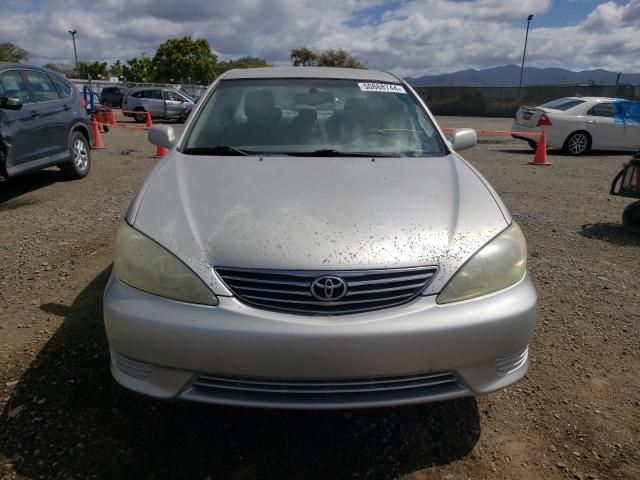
(613, 233)
(15, 187)
(68, 419)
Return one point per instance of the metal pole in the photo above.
(75, 51)
(524, 53)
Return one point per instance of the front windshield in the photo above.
(312, 117)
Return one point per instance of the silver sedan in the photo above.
(314, 241)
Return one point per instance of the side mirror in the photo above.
(162, 136)
(462, 138)
(10, 103)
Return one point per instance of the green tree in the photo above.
(97, 70)
(309, 57)
(338, 58)
(303, 57)
(116, 69)
(183, 59)
(244, 62)
(67, 70)
(138, 70)
(10, 52)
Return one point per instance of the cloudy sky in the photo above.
(409, 37)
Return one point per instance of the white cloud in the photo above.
(418, 37)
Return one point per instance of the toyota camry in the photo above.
(313, 240)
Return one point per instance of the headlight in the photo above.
(142, 263)
(497, 265)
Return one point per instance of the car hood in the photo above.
(318, 213)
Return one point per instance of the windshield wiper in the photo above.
(336, 153)
(217, 150)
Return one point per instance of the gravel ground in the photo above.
(576, 414)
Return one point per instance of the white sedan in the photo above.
(579, 124)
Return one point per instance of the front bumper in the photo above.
(239, 355)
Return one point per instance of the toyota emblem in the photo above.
(328, 288)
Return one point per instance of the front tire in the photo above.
(79, 162)
(578, 143)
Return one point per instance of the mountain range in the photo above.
(509, 75)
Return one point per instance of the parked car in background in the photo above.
(162, 103)
(579, 124)
(42, 122)
(313, 240)
(113, 96)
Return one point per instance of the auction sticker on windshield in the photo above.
(381, 87)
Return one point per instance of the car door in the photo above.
(154, 103)
(174, 103)
(606, 130)
(50, 112)
(17, 126)
(631, 111)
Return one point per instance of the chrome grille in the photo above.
(326, 391)
(290, 290)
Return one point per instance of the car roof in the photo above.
(150, 87)
(597, 99)
(311, 72)
(58, 75)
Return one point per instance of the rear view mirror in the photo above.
(10, 103)
(162, 136)
(463, 138)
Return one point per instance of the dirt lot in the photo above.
(576, 415)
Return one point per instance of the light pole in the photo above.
(75, 52)
(524, 53)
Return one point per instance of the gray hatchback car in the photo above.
(162, 103)
(42, 123)
(313, 240)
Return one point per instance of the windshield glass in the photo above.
(312, 117)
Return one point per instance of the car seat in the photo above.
(263, 118)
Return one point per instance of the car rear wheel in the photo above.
(79, 161)
(140, 117)
(578, 143)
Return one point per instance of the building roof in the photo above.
(311, 72)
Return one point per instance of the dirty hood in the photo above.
(317, 213)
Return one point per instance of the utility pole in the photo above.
(524, 53)
(75, 52)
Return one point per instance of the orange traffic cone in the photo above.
(111, 118)
(161, 152)
(98, 144)
(149, 123)
(540, 157)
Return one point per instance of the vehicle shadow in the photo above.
(68, 419)
(15, 187)
(613, 233)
